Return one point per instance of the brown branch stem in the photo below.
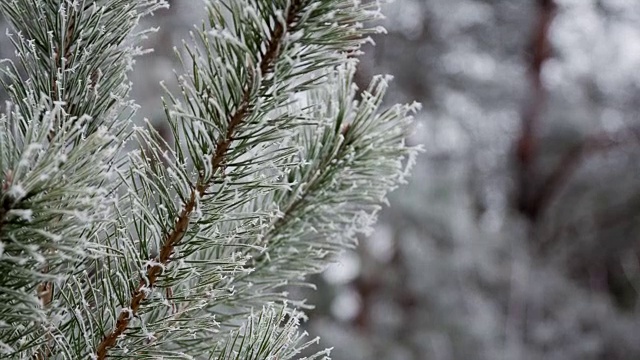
(572, 159)
(527, 144)
(533, 200)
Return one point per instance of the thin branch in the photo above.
(574, 157)
(527, 146)
(222, 146)
(533, 200)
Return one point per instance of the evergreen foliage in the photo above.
(183, 248)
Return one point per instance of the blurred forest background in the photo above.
(517, 236)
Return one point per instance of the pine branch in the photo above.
(332, 174)
(57, 154)
(181, 225)
(527, 142)
(302, 254)
(275, 167)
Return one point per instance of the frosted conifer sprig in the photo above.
(75, 52)
(270, 334)
(54, 202)
(60, 135)
(275, 165)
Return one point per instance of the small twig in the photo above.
(527, 146)
(532, 199)
(574, 157)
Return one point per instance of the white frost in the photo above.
(24, 214)
(16, 191)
